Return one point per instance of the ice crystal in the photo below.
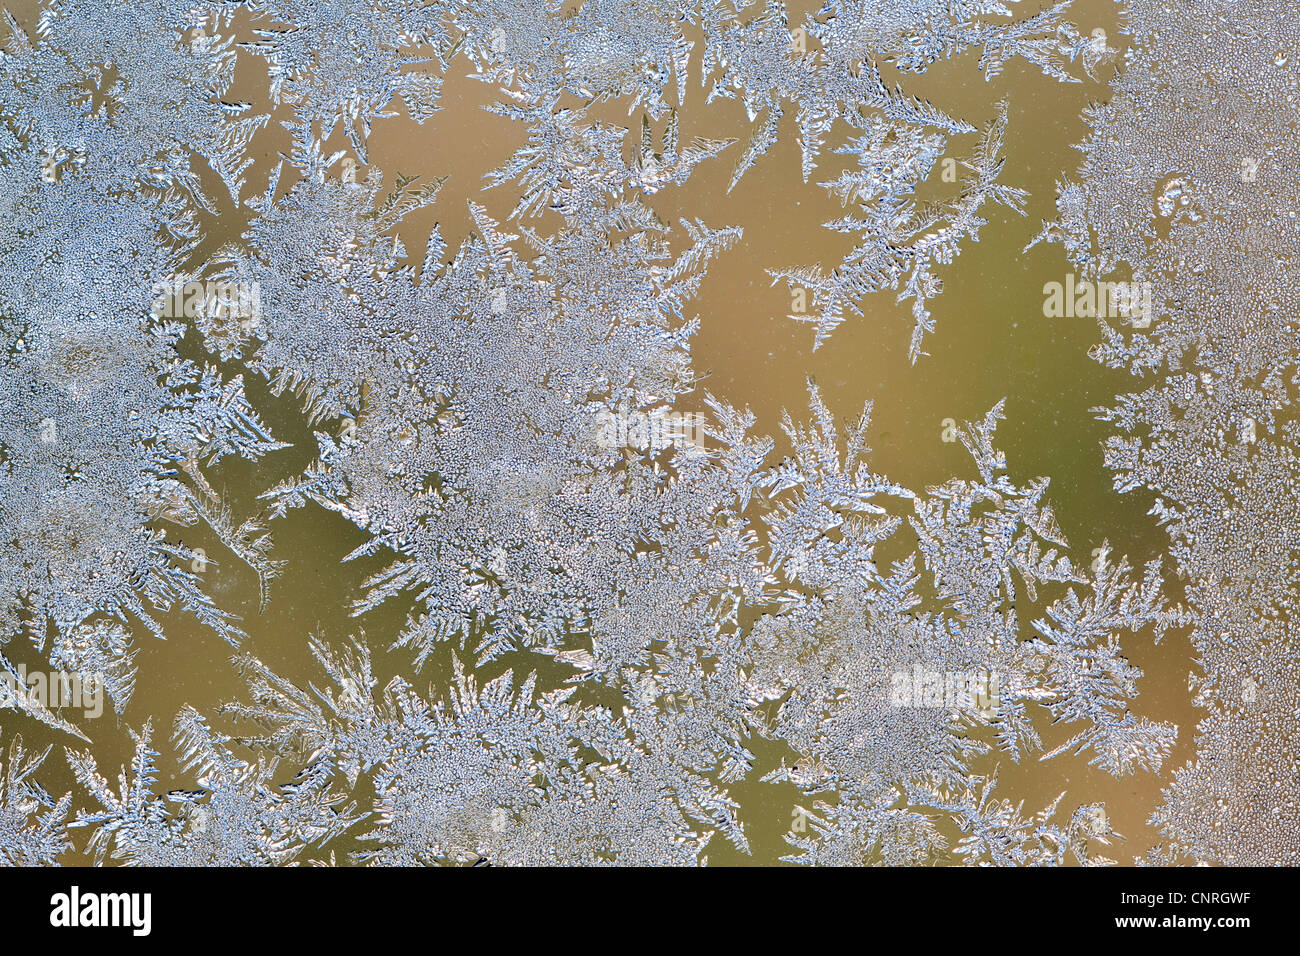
(238, 817)
(344, 62)
(1185, 187)
(833, 662)
(620, 637)
(33, 826)
(899, 241)
(109, 427)
(900, 137)
(490, 353)
(496, 773)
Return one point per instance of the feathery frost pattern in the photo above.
(602, 607)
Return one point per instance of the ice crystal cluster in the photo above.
(1189, 184)
(604, 651)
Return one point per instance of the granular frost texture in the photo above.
(445, 432)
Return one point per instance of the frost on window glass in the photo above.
(595, 607)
